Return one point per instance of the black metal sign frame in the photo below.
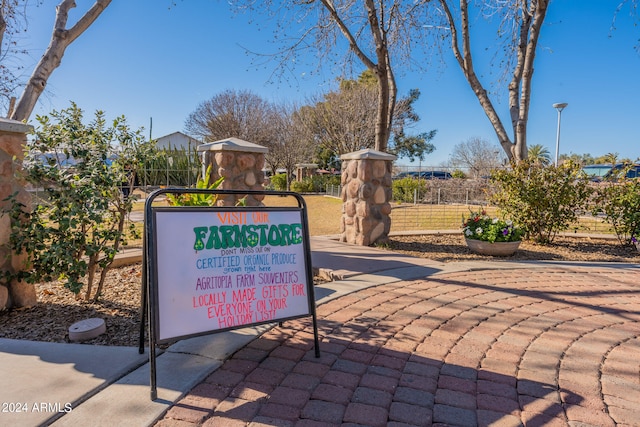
(151, 292)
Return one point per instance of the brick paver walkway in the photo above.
(553, 346)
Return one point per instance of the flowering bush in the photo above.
(480, 226)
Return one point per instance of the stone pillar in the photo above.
(366, 196)
(13, 136)
(240, 163)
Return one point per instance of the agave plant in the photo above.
(198, 199)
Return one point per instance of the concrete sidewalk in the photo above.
(78, 385)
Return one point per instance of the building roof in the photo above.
(176, 134)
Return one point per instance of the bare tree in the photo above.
(289, 147)
(61, 38)
(520, 27)
(245, 115)
(377, 32)
(12, 23)
(476, 155)
(233, 113)
(341, 121)
(633, 12)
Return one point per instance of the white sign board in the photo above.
(227, 268)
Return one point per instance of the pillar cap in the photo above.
(368, 153)
(15, 126)
(233, 144)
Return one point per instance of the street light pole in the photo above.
(559, 106)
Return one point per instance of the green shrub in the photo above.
(404, 189)
(619, 202)
(458, 174)
(304, 186)
(279, 181)
(82, 224)
(315, 183)
(542, 200)
(332, 180)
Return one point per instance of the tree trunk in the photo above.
(381, 69)
(529, 26)
(386, 84)
(51, 59)
(121, 211)
(3, 28)
(382, 129)
(93, 264)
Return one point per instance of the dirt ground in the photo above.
(58, 308)
(451, 248)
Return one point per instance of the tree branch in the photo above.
(465, 60)
(61, 38)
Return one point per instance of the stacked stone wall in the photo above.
(366, 196)
(13, 293)
(241, 171)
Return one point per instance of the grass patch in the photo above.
(325, 215)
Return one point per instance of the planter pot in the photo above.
(493, 249)
(637, 246)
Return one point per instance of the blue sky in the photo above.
(150, 59)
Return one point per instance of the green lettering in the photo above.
(226, 234)
(296, 234)
(285, 232)
(263, 234)
(241, 239)
(200, 232)
(214, 240)
(250, 235)
(274, 236)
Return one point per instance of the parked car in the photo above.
(616, 172)
(424, 175)
(435, 175)
(597, 173)
(403, 175)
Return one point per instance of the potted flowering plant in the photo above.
(490, 236)
(635, 242)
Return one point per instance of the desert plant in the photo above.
(542, 200)
(197, 199)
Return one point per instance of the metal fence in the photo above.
(445, 203)
(333, 190)
(439, 204)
